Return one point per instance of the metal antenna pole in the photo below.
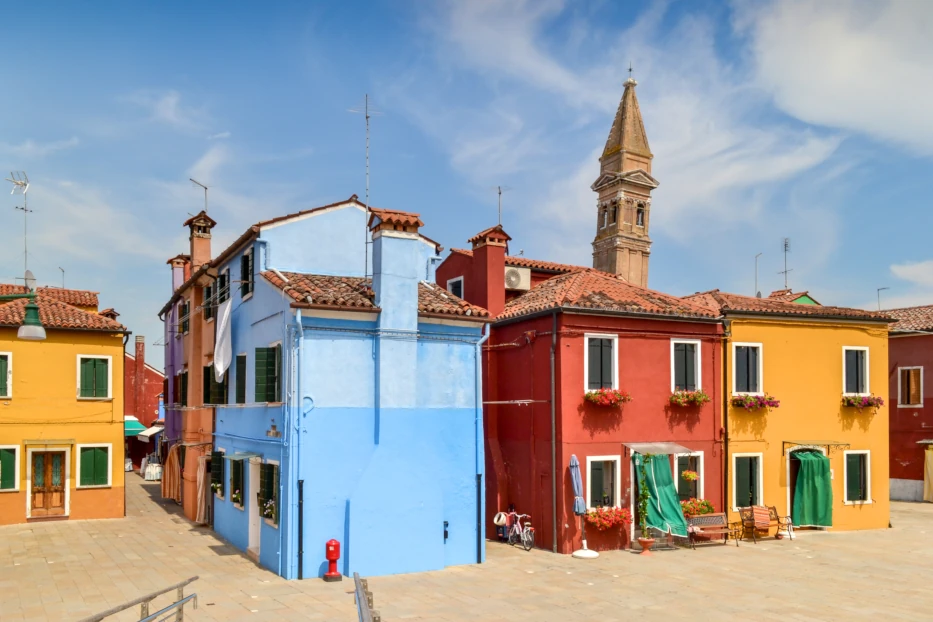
(499, 188)
(756, 272)
(20, 182)
(197, 183)
(63, 276)
(786, 269)
(367, 114)
(880, 289)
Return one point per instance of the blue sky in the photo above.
(801, 118)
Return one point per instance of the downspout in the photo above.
(480, 444)
(725, 418)
(553, 434)
(297, 414)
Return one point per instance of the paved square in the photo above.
(67, 570)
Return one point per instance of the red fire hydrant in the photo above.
(332, 554)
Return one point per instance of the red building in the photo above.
(910, 356)
(560, 331)
(142, 391)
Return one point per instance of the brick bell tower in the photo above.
(623, 206)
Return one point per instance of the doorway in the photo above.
(809, 488)
(252, 508)
(48, 484)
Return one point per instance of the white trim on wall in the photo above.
(617, 484)
(699, 361)
(761, 368)
(586, 358)
(845, 477)
(9, 376)
(43, 449)
(109, 376)
(899, 405)
(867, 370)
(78, 448)
(701, 482)
(16, 471)
(761, 477)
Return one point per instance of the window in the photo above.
(246, 274)
(93, 465)
(6, 374)
(9, 468)
(604, 217)
(687, 489)
(909, 386)
(613, 213)
(600, 362)
(455, 286)
(747, 368)
(603, 481)
(185, 322)
(207, 305)
(240, 379)
(94, 377)
(268, 385)
(223, 286)
(855, 371)
(685, 365)
(268, 491)
(640, 215)
(858, 480)
(183, 388)
(217, 472)
(214, 392)
(236, 480)
(747, 480)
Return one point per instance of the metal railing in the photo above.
(364, 600)
(143, 602)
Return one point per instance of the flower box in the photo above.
(860, 402)
(755, 402)
(268, 509)
(689, 398)
(607, 518)
(237, 497)
(610, 398)
(696, 507)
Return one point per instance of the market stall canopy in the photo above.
(146, 435)
(658, 448)
(132, 426)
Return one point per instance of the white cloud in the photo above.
(166, 108)
(219, 136)
(30, 149)
(205, 169)
(860, 66)
(919, 272)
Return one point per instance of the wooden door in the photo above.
(48, 483)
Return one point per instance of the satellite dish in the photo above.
(758, 295)
(30, 280)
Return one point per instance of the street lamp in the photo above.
(32, 329)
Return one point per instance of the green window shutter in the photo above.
(217, 469)
(206, 385)
(101, 377)
(87, 378)
(100, 466)
(743, 482)
(246, 274)
(218, 390)
(596, 484)
(208, 303)
(240, 380)
(263, 356)
(276, 369)
(7, 469)
(856, 489)
(236, 476)
(263, 487)
(87, 466)
(4, 370)
(275, 490)
(184, 389)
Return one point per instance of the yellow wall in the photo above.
(44, 407)
(803, 369)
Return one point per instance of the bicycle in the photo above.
(521, 533)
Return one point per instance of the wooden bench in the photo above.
(711, 525)
(758, 518)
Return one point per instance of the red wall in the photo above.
(456, 265)
(520, 434)
(142, 386)
(909, 425)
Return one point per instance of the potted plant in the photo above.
(689, 398)
(860, 402)
(608, 517)
(754, 402)
(216, 487)
(690, 476)
(643, 498)
(237, 497)
(268, 509)
(611, 398)
(696, 507)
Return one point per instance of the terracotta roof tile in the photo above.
(77, 297)
(56, 314)
(395, 217)
(534, 264)
(435, 300)
(912, 318)
(723, 302)
(496, 232)
(592, 289)
(789, 295)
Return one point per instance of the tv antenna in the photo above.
(786, 269)
(20, 182)
(499, 190)
(757, 293)
(368, 113)
(880, 289)
(63, 276)
(197, 183)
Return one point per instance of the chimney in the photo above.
(200, 236)
(180, 271)
(139, 383)
(109, 313)
(397, 267)
(489, 249)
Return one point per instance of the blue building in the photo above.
(351, 406)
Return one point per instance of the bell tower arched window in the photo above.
(640, 215)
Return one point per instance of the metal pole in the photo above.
(553, 435)
(756, 272)
(301, 535)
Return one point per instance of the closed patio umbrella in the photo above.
(579, 507)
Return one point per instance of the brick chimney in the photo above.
(200, 236)
(489, 248)
(180, 270)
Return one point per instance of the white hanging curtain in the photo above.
(223, 349)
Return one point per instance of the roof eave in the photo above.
(587, 311)
(802, 316)
(459, 318)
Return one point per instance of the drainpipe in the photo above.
(478, 431)
(725, 418)
(297, 414)
(553, 434)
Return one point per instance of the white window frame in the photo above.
(586, 358)
(252, 280)
(109, 377)
(867, 370)
(699, 361)
(899, 369)
(46, 448)
(761, 368)
(845, 477)
(701, 482)
(454, 280)
(617, 484)
(78, 448)
(16, 473)
(761, 477)
(9, 377)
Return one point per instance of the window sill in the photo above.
(246, 297)
(95, 399)
(239, 507)
(856, 395)
(866, 502)
(3, 490)
(899, 405)
(209, 319)
(743, 394)
(93, 487)
(271, 523)
(217, 495)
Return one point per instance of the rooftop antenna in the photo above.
(63, 276)
(786, 269)
(197, 183)
(630, 70)
(757, 292)
(367, 113)
(881, 289)
(20, 182)
(500, 190)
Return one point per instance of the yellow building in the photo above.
(61, 409)
(810, 455)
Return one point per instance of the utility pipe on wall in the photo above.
(480, 453)
(553, 434)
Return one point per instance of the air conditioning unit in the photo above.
(517, 278)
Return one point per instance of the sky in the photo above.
(799, 118)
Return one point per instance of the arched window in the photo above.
(613, 213)
(640, 215)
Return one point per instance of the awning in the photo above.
(242, 455)
(658, 448)
(146, 435)
(132, 426)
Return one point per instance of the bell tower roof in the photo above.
(627, 136)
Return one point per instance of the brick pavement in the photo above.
(65, 570)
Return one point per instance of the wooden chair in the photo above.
(711, 525)
(755, 519)
(783, 522)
